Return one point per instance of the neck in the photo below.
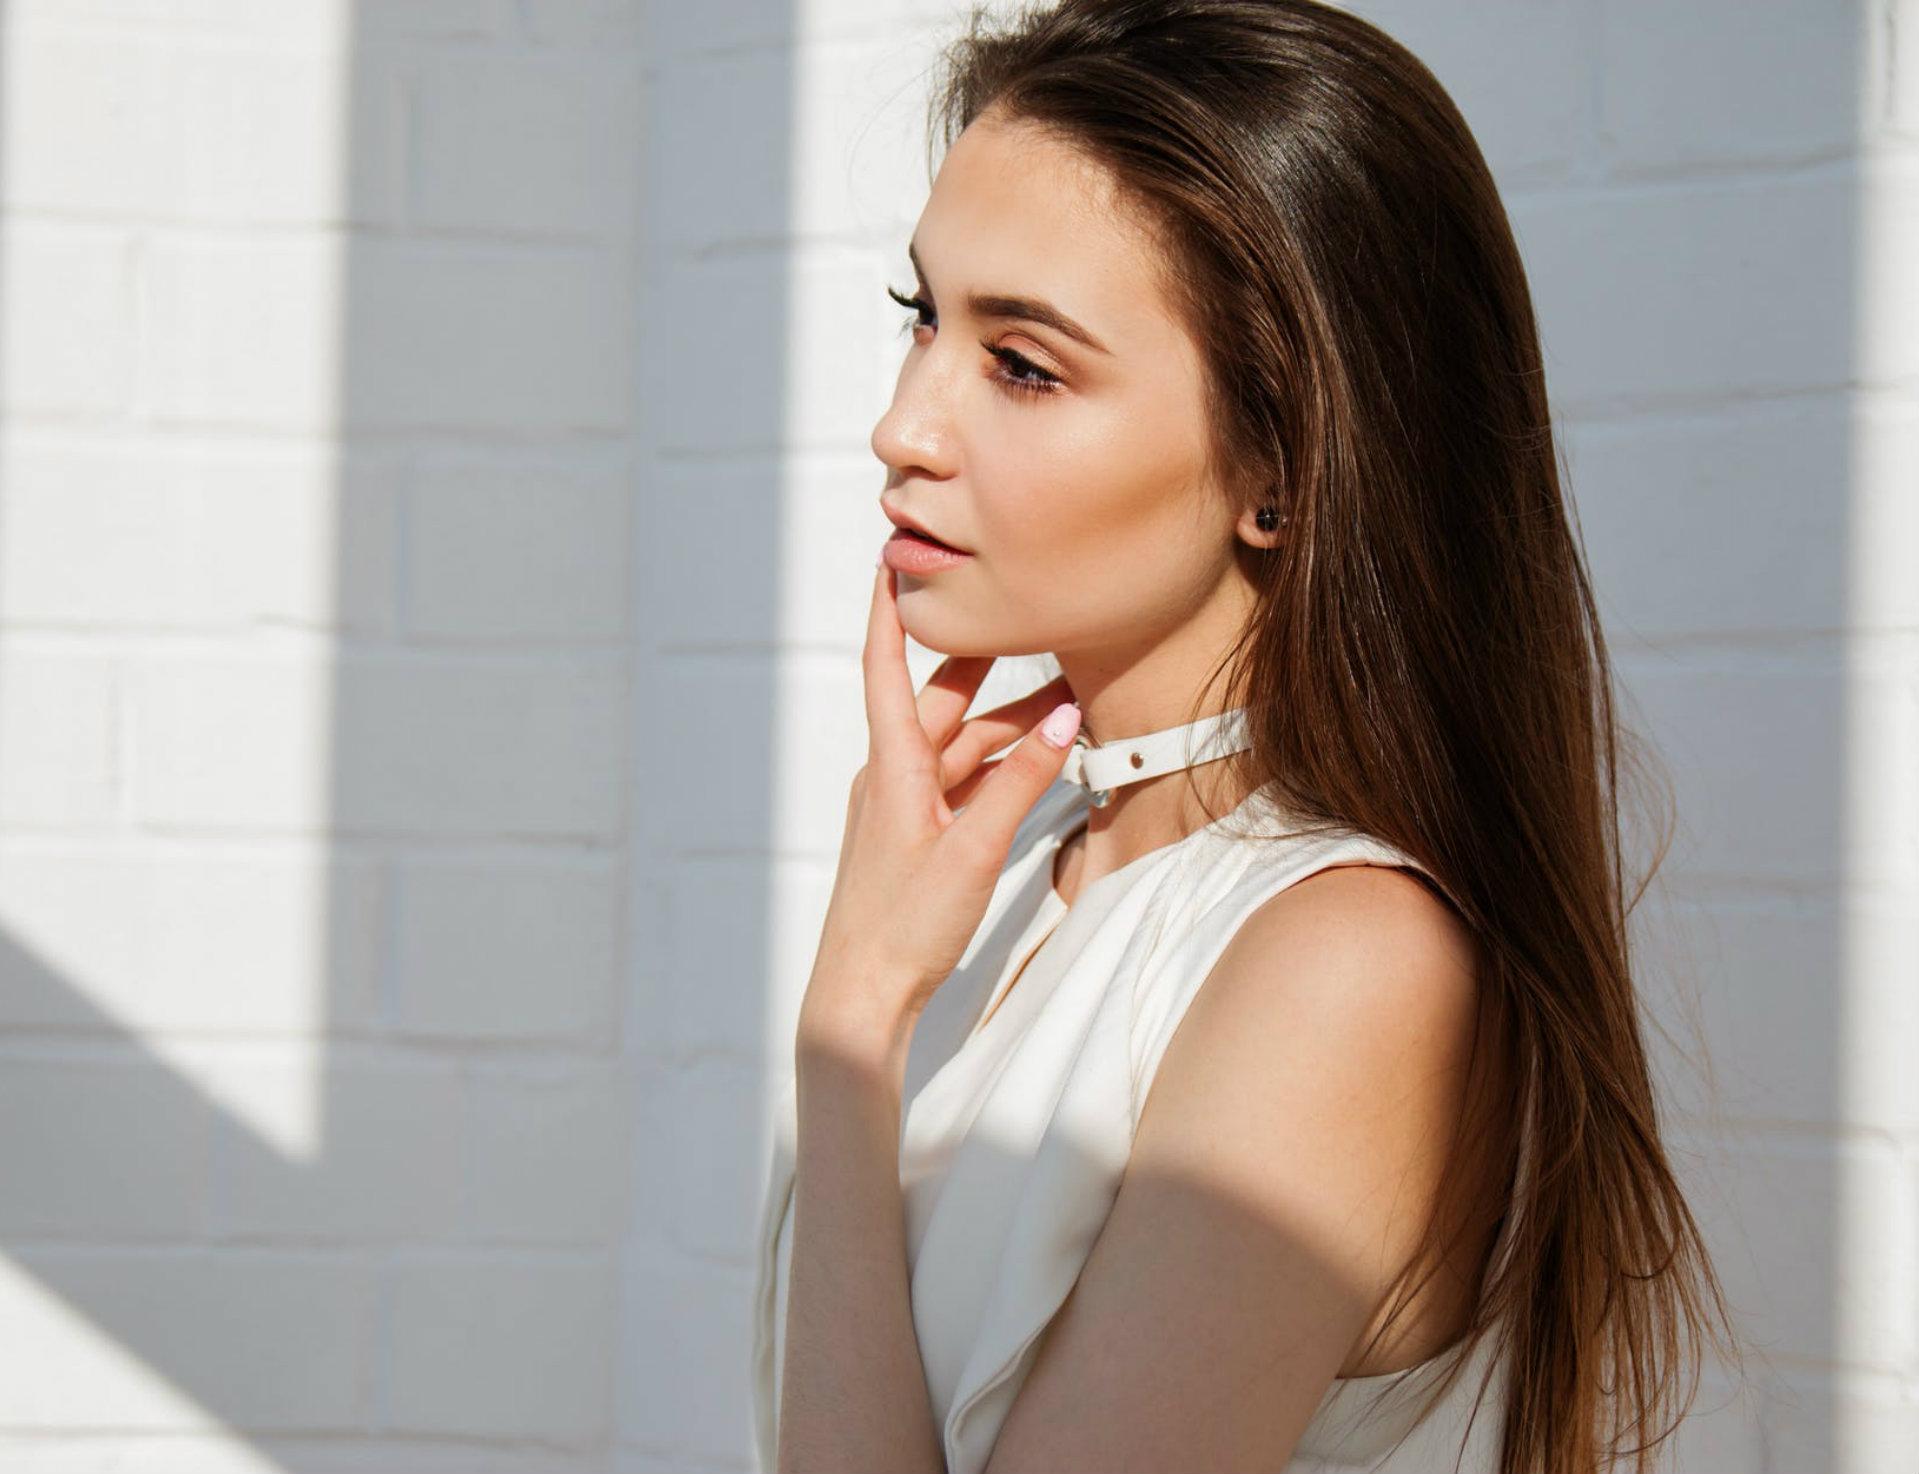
(1145, 813)
(1146, 686)
(1144, 816)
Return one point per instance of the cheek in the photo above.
(1082, 506)
(1060, 479)
(1081, 564)
(1117, 519)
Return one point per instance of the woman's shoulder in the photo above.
(1280, 864)
(1356, 936)
(1304, 932)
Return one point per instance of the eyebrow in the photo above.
(1019, 309)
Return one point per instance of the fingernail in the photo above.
(1061, 724)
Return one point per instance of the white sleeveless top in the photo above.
(1013, 1138)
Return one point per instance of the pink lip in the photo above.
(905, 553)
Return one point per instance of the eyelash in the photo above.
(1043, 382)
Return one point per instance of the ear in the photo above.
(1251, 531)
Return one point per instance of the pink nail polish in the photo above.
(1061, 724)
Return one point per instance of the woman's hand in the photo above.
(914, 876)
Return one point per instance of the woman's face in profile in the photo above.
(1073, 472)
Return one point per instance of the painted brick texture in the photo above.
(435, 517)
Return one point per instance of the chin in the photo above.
(945, 631)
(935, 624)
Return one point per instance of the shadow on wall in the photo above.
(333, 877)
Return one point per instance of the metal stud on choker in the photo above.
(1100, 768)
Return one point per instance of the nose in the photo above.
(915, 433)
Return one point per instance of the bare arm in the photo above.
(1287, 1155)
(853, 1396)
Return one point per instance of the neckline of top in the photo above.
(1061, 836)
(1055, 909)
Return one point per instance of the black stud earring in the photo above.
(1268, 519)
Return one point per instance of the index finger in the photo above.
(948, 692)
(892, 710)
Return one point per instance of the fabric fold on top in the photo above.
(1015, 1137)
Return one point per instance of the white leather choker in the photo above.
(1100, 768)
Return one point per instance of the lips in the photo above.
(911, 528)
(920, 537)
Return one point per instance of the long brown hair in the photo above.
(1425, 661)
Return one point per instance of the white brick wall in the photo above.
(319, 363)
(435, 507)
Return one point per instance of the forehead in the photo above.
(1013, 211)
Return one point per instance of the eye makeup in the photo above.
(1017, 374)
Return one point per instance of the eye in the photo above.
(918, 304)
(1017, 374)
(1017, 368)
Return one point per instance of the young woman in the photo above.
(1252, 1080)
